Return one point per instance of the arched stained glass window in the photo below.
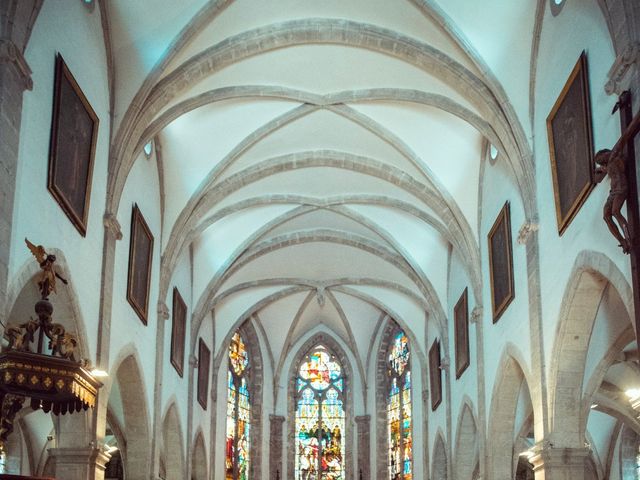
(320, 418)
(399, 409)
(238, 412)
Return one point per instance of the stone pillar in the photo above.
(363, 425)
(79, 463)
(275, 445)
(560, 463)
(15, 78)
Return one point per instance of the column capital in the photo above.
(90, 457)
(476, 314)
(559, 460)
(363, 419)
(112, 225)
(163, 311)
(11, 54)
(276, 418)
(526, 230)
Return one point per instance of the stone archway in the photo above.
(199, 459)
(439, 469)
(507, 390)
(173, 451)
(591, 274)
(466, 453)
(137, 445)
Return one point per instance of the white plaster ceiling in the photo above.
(321, 158)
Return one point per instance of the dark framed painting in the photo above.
(140, 256)
(204, 360)
(461, 321)
(571, 145)
(178, 328)
(74, 132)
(501, 263)
(435, 374)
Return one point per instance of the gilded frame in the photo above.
(501, 263)
(140, 258)
(72, 147)
(570, 137)
(461, 331)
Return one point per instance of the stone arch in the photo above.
(199, 458)
(135, 431)
(255, 373)
(591, 274)
(508, 384)
(173, 449)
(439, 469)
(325, 339)
(466, 453)
(382, 388)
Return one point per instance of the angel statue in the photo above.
(47, 282)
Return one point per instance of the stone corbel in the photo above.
(476, 314)
(11, 54)
(524, 234)
(193, 361)
(445, 364)
(163, 311)
(621, 72)
(112, 225)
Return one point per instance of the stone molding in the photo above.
(555, 462)
(112, 225)
(526, 231)
(75, 459)
(163, 311)
(11, 54)
(621, 73)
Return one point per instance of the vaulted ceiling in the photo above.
(321, 159)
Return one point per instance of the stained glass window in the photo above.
(320, 418)
(238, 412)
(399, 410)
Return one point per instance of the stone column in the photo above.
(551, 463)
(275, 445)
(15, 78)
(79, 463)
(363, 425)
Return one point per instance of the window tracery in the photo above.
(399, 419)
(237, 442)
(320, 417)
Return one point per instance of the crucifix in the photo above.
(620, 164)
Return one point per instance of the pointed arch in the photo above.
(255, 375)
(439, 469)
(466, 452)
(136, 431)
(334, 348)
(173, 446)
(508, 384)
(394, 391)
(199, 458)
(591, 274)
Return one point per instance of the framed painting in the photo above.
(571, 145)
(74, 132)
(435, 374)
(501, 263)
(204, 360)
(178, 328)
(461, 320)
(140, 256)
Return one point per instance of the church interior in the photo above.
(319, 239)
